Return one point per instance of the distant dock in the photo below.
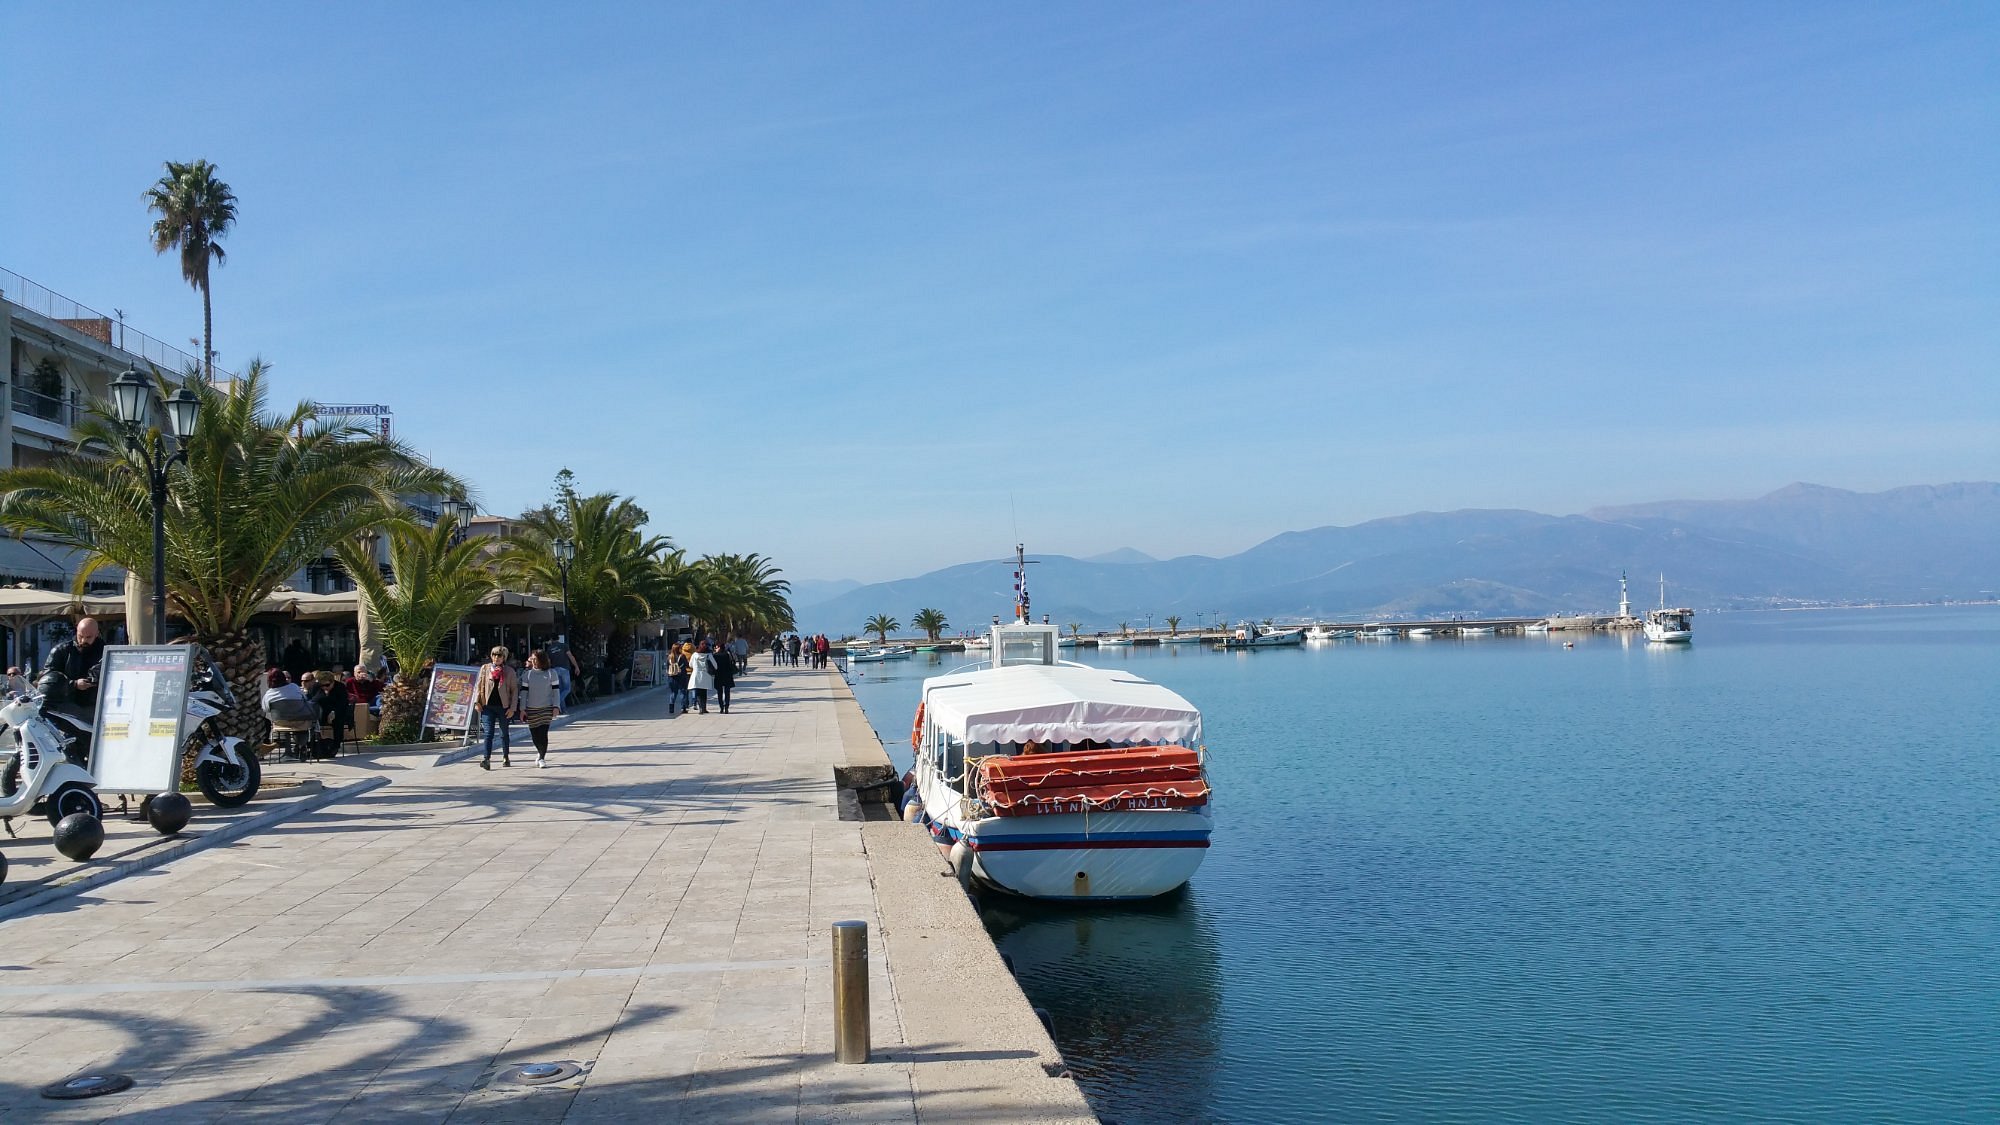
(1451, 627)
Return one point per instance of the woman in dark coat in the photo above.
(725, 675)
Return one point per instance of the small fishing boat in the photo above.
(1379, 633)
(1322, 633)
(1181, 639)
(1669, 626)
(1066, 642)
(977, 644)
(1418, 633)
(866, 656)
(1114, 642)
(1538, 628)
(1053, 780)
(1254, 636)
(1475, 630)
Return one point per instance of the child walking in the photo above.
(540, 689)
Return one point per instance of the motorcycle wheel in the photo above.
(226, 786)
(73, 797)
(10, 776)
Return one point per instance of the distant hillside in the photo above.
(1802, 543)
(812, 591)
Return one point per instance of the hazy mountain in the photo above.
(1801, 543)
(812, 591)
(1122, 555)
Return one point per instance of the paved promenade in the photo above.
(654, 907)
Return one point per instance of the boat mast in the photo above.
(1663, 589)
(1020, 584)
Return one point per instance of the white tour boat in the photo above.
(1054, 780)
(1669, 626)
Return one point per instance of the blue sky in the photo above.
(872, 287)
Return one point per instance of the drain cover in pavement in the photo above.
(540, 1074)
(87, 1086)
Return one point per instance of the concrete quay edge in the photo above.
(172, 848)
(946, 976)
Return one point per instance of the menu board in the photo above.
(449, 706)
(141, 702)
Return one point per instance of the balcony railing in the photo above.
(46, 407)
(39, 299)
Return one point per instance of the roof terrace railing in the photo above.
(38, 298)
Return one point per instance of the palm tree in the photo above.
(195, 210)
(1173, 626)
(740, 594)
(931, 622)
(1075, 629)
(1123, 628)
(881, 625)
(260, 496)
(614, 577)
(438, 581)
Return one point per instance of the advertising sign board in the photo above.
(141, 706)
(449, 705)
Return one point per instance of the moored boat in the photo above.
(1669, 626)
(1114, 642)
(1475, 630)
(1255, 636)
(1054, 780)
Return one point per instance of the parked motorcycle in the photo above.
(227, 772)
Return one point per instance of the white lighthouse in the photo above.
(1624, 597)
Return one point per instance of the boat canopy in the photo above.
(1063, 703)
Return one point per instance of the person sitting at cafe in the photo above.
(363, 687)
(336, 711)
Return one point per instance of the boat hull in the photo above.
(1103, 856)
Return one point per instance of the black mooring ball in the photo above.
(79, 835)
(168, 813)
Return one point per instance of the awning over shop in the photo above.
(27, 560)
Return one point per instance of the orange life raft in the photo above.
(1130, 778)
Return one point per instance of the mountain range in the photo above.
(1803, 544)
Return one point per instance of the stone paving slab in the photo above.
(656, 906)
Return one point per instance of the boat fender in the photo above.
(961, 863)
(913, 809)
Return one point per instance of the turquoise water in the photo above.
(1499, 880)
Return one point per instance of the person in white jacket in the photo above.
(701, 675)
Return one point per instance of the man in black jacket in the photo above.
(69, 683)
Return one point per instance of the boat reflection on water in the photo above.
(1134, 991)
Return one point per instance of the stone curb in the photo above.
(175, 848)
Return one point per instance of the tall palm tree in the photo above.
(1173, 626)
(881, 625)
(931, 622)
(438, 581)
(612, 578)
(259, 497)
(195, 210)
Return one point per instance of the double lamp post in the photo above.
(132, 399)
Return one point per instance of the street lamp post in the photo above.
(132, 393)
(565, 550)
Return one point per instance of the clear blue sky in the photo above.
(866, 287)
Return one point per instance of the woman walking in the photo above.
(701, 675)
(677, 678)
(540, 688)
(498, 698)
(725, 675)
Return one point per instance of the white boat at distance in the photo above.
(1054, 780)
(1181, 639)
(1379, 633)
(1669, 626)
(1322, 633)
(1418, 633)
(1253, 635)
(1475, 630)
(1537, 628)
(1114, 642)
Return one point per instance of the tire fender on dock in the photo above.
(961, 862)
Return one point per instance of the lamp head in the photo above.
(130, 394)
(564, 549)
(183, 410)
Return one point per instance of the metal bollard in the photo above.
(850, 992)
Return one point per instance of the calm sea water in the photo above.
(1498, 880)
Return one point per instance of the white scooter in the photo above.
(37, 773)
(227, 773)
